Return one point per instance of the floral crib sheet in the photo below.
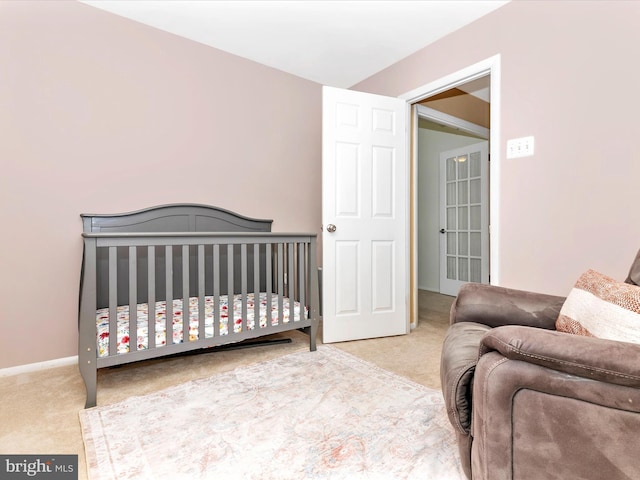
(102, 320)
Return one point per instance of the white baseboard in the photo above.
(36, 367)
(429, 289)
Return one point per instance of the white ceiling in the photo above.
(335, 43)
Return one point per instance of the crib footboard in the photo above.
(147, 295)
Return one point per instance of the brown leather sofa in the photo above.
(532, 403)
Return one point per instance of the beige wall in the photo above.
(568, 73)
(101, 114)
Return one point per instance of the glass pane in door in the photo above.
(451, 268)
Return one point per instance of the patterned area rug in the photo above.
(307, 415)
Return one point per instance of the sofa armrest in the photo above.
(496, 306)
(457, 365)
(587, 357)
(532, 422)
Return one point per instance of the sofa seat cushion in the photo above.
(599, 306)
(458, 362)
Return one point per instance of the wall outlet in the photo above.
(520, 147)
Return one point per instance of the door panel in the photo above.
(383, 182)
(383, 268)
(346, 284)
(365, 198)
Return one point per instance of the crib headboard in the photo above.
(179, 217)
(174, 218)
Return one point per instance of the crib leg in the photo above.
(90, 376)
(91, 396)
(312, 336)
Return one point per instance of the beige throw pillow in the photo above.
(599, 306)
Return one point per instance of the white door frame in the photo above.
(490, 66)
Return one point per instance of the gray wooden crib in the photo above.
(195, 277)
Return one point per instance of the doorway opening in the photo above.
(442, 110)
(452, 208)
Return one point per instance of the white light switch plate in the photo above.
(520, 147)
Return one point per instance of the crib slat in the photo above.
(201, 311)
(269, 287)
(151, 284)
(291, 279)
(185, 294)
(216, 290)
(280, 281)
(113, 300)
(133, 299)
(169, 293)
(243, 284)
(230, 293)
(302, 298)
(256, 285)
(314, 289)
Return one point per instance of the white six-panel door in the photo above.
(364, 214)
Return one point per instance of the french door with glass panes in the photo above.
(464, 217)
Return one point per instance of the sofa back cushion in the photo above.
(599, 306)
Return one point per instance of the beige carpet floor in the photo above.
(39, 413)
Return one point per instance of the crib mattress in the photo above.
(123, 339)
